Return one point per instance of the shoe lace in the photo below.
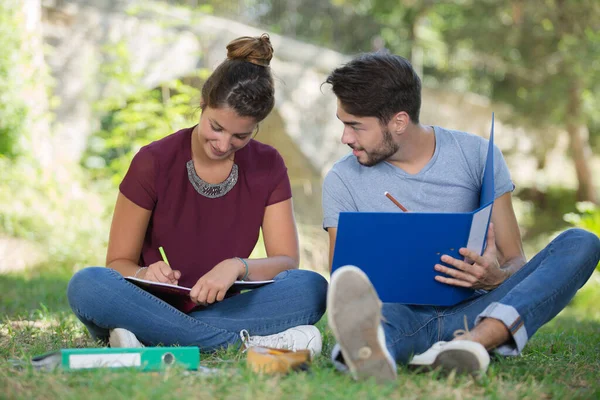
(278, 341)
(463, 332)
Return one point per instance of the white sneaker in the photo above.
(120, 337)
(355, 319)
(464, 356)
(302, 337)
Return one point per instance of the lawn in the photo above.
(561, 361)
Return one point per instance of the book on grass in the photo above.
(179, 296)
(398, 251)
(144, 358)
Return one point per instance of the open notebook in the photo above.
(398, 251)
(179, 296)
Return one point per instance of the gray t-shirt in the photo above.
(450, 182)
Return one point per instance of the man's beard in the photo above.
(385, 150)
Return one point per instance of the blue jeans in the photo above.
(524, 302)
(102, 299)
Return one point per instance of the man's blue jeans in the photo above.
(524, 302)
(102, 299)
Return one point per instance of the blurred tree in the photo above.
(12, 107)
(544, 59)
(36, 77)
(338, 24)
(402, 25)
(133, 115)
(145, 116)
(344, 27)
(24, 105)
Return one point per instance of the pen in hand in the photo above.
(163, 255)
(173, 275)
(396, 202)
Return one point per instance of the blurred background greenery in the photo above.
(536, 61)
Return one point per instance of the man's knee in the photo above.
(586, 239)
(584, 246)
(589, 243)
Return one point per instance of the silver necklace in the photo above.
(211, 190)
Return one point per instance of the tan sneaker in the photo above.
(120, 337)
(302, 337)
(354, 313)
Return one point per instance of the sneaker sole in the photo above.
(355, 325)
(459, 360)
(463, 362)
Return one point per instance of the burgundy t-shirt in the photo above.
(195, 231)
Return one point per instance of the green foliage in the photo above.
(545, 210)
(146, 116)
(67, 221)
(532, 55)
(588, 217)
(12, 108)
(134, 116)
(336, 24)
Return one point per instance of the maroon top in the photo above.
(195, 231)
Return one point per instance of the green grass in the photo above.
(561, 361)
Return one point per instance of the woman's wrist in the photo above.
(244, 269)
(140, 273)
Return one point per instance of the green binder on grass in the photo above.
(144, 359)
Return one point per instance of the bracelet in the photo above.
(138, 271)
(246, 266)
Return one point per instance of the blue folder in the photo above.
(398, 251)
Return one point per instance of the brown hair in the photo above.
(243, 81)
(377, 85)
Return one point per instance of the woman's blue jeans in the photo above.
(524, 302)
(102, 299)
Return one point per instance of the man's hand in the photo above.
(161, 272)
(483, 273)
(214, 285)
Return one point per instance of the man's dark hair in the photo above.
(377, 85)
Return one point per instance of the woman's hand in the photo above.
(160, 272)
(214, 285)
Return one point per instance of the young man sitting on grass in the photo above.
(435, 170)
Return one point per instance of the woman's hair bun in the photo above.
(256, 50)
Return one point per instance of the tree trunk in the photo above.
(580, 147)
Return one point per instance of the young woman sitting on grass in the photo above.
(203, 194)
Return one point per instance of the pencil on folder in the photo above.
(396, 202)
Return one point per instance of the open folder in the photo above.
(398, 251)
(179, 296)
